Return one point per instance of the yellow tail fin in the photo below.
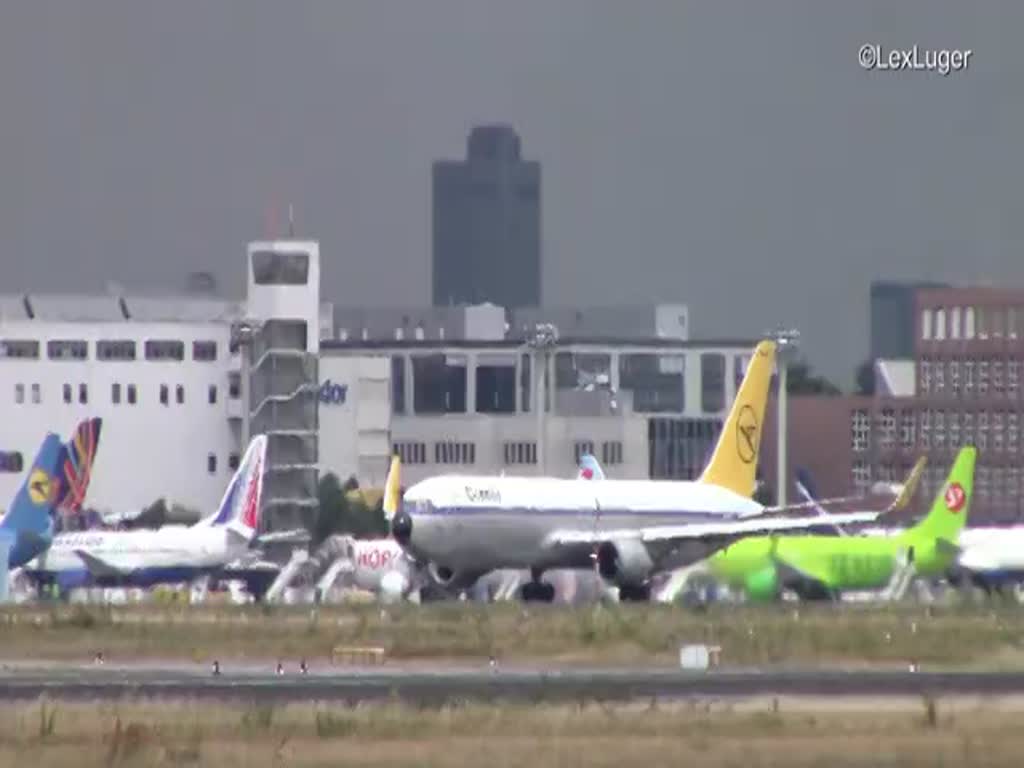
(733, 465)
(392, 487)
(909, 485)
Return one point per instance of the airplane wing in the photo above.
(727, 530)
(97, 566)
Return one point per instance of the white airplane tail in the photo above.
(239, 509)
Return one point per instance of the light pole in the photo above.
(541, 340)
(788, 346)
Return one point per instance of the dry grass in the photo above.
(634, 634)
(789, 733)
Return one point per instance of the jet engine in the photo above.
(762, 586)
(393, 586)
(624, 562)
(451, 580)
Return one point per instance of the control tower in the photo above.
(280, 340)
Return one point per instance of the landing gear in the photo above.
(634, 594)
(536, 590)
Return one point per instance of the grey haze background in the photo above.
(731, 155)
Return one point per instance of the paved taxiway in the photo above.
(355, 684)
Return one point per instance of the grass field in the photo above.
(791, 733)
(963, 637)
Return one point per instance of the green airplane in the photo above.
(820, 567)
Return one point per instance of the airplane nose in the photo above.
(401, 527)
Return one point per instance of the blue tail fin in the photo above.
(38, 496)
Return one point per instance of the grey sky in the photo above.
(730, 155)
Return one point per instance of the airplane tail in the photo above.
(33, 505)
(948, 513)
(734, 462)
(76, 461)
(589, 468)
(392, 488)
(239, 509)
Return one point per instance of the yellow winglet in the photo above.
(392, 487)
(909, 486)
(733, 465)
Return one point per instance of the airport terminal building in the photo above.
(181, 382)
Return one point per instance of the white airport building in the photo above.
(181, 382)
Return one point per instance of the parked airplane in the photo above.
(171, 554)
(55, 482)
(990, 558)
(461, 527)
(825, 566)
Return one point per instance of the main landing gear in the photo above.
(634, 594)
(536, 590)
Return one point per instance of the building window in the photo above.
(234, 385)
(164, 394)
(940, 324)
(984, 477)
(1013, 482)
(233, 461)
(37, 395)
(62, 349)
(656, 381)
(887, 428)
(860, 476)
(982, 430)
(211, 463)
(983, 377)
(997, 377)
(11, 461)
(520, 453)
(611, 452)
(968, 428)
(67, 393)
(998, 424)
(115, 393)
(19, 393)
(121, 349)
(398, 384)
(1013, 379)
(211, 394)
(25, 349)
(926, 376)
(1012, 318)
(860, 431)
(939, 429)
(496, 384)
(179, 394)
(205, 351)
(955, 385)
(926, 324)
(969, 377)
(954, 429)
(969, 323)
(939, 371)
(1012, 433)
(83, 394)
(439, 383)
(712, 382)
(411, 452)
(907, 429)
(450, 452)
(954, 323)
(165, 349)
(924, 431)
(131, 394)
(580, 449)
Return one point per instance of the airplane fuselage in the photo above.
(140, 558)
(479, 524)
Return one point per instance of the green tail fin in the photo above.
(948, 514)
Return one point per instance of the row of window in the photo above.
(514, 452)
(108, 349)
(1000, 378)
(990, 483)
(928, 428)
(13, 461)
(130, 394)
(956, 323)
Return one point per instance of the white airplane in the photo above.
(991, 558)
(460, 527)
(172, 554)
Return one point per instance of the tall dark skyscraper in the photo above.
(486, 243)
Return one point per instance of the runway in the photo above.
(424, 687)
